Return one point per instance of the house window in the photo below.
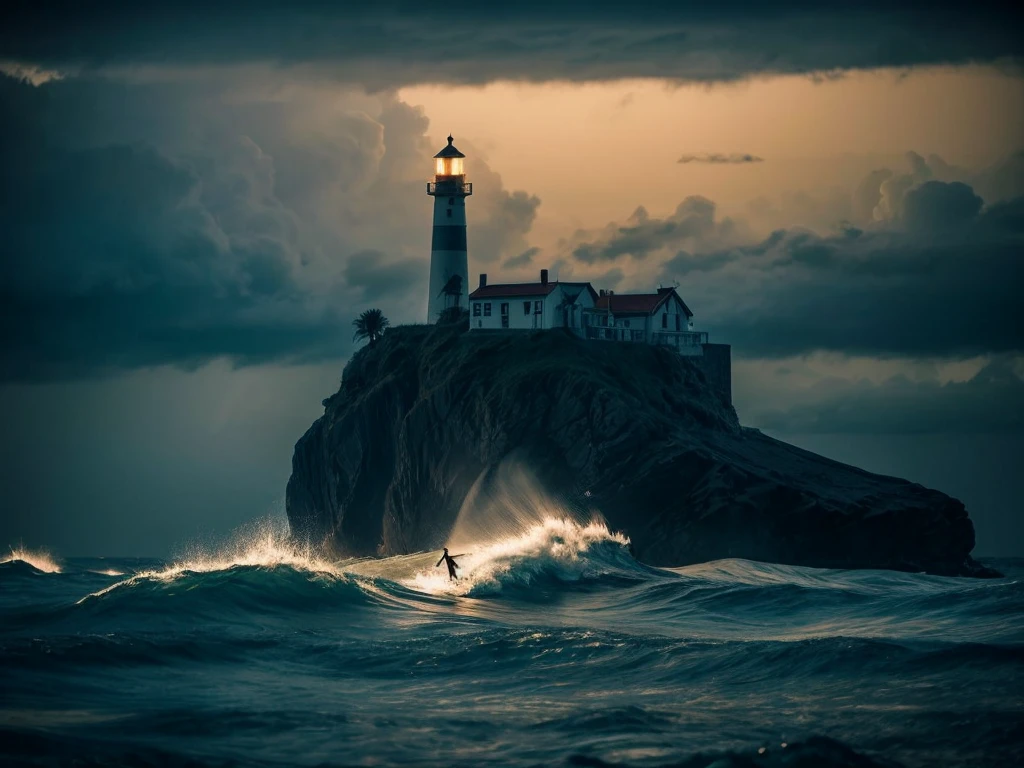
(664, 321)
(476, 309)
(677, 322)
(487, 309)
(451, 201)
(504, 309)
(504, 315)
(538, 307)
(526, 307)
(449, 213)
(625, 323)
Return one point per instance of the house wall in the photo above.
(518, 319)
(550, 316)
(558, 318)
(671, 310)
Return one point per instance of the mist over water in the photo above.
(554, 647)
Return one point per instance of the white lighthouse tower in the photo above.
(449, 265)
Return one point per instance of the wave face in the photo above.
(553, 647)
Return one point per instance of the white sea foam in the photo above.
(264, 544)
(39, 559)
(556, 545)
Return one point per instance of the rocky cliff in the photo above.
(633, 431)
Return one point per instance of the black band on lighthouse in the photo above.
(448, 238)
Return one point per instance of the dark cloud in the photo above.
(716, 158)
(378, 278)
(693, 220)
(391, 43)
(936, 205)
(943, 280)
(155, 224)
(504, 231)
(522, 260)
(992, 401)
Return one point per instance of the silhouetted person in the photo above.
(452, 565)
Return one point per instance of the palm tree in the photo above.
(370, 325)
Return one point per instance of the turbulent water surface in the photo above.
(555, 648)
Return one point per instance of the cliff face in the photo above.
(425, 412)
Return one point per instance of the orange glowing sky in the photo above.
(591, 152)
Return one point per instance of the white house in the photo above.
(528, 306)
(651, 318)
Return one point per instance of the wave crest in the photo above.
(557, 549)
(264, 546)
(39, 559)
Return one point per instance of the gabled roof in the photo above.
(639, 303)
(584, 286)
(513, 289)
(450, 150)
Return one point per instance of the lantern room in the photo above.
(448, 163)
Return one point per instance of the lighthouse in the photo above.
(449, 264)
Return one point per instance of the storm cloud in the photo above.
(158, 224)
(385, 44)
(692, 221)
(991, 401)
(934, 271)
(942, 281)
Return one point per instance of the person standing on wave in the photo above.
(452, 565)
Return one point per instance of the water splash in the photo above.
(505, 502)
(557, 546)
(262, 544)
(39, 559)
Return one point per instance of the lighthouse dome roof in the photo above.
(450, 150)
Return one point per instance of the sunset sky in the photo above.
(196, 202)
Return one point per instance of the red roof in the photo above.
(513, 289)
(638, 303)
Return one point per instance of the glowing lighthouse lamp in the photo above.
(449, 264)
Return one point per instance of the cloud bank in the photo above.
(932, 270)
(172, 223)
(386, 44)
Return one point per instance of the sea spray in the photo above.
(263, 544)
(39, 559)
(505, 502)
(561, 549)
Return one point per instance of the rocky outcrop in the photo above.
(633, 431)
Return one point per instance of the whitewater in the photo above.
(554, 647)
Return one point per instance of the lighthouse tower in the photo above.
(449, 265)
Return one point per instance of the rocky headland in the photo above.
(633, 431)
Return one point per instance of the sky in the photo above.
(198, 198)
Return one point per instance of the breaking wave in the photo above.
(553, 634)
(39, 559)
(555, 550)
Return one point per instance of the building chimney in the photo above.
(483, 279)
(543, 277)
(603, 292)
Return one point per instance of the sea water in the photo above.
(554, 647)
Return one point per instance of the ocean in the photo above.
(555, 647)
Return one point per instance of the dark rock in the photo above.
(425, 412)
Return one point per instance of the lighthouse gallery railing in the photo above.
(443, 188)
